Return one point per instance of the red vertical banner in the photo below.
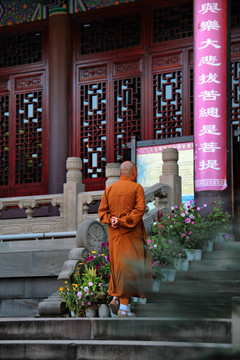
(210, 94)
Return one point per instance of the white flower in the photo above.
(155, 245)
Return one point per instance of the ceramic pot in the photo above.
(178, 264)
(210, 245)
(91, 312)
(190, 254)
(185, 265)
(103, 311)
(156, 285)
(164, 275)
(171, 275)
(198, 255)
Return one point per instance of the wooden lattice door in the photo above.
(23, 132)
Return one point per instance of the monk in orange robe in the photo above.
(122, 207)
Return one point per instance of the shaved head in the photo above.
(127, 168)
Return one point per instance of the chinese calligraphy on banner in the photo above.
(210, 94)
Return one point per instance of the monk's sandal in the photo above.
(114, 305)
(124, 313)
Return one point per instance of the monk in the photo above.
(122, 207)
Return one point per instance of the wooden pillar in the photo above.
(59, 48)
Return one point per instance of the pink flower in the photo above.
(150, 247)
(183, 234)
(99, 284)
(192, 222)
(180, 254)
(170, 241)
(79, 294)
(190, 232)
(90, 283)
(154, 263)
(82, 303)
(149, 241)
(183, 214)
(187, 237)
(198, 208)
(103, 264)
(187, 221)
(89, 303)
(97, 266)
(204, 205)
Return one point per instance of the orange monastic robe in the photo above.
(131, 270)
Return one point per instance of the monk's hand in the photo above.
(114, 222)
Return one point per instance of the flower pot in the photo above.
(164, 275)
(185, 265)
(156, 285)
(219, 238)
(197, 255)
(177, 264)
(103, 311)
(142, 301)
(190, 254)
(91, 312)
(171, 275)
(210, 245)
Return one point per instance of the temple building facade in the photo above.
(82, 78)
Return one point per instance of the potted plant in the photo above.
(218, 221)
(88, 287)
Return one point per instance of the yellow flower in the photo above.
(94, 252)
(65, 282)
(67, 289)
(102, 254)
(61, 289)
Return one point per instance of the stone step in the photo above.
(27, 287)
(41, 244)
(216, 264)
(32, 263)
(205, 286)
(181, 310)
(107, 349)
(228, 245)
(205, 275)
(15, 307)
(141, 329)
(195, 297)
(224, 254)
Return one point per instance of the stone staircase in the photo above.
(115, 339)
(188, 319)
(28, 273)
(205, 290)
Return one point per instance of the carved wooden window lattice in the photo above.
(172, 23)
(167, 105)
(127, 114)
(119, 33)
(28, 137)
(21, 49)
(4, 139)
(235, 94)
(93, 129)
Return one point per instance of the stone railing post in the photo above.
(71, 189)
(170, 175)
(112, 173)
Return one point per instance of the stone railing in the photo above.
(75, 204)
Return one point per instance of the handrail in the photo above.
(37, 236)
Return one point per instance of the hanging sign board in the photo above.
(210, 94)
(149, 163)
